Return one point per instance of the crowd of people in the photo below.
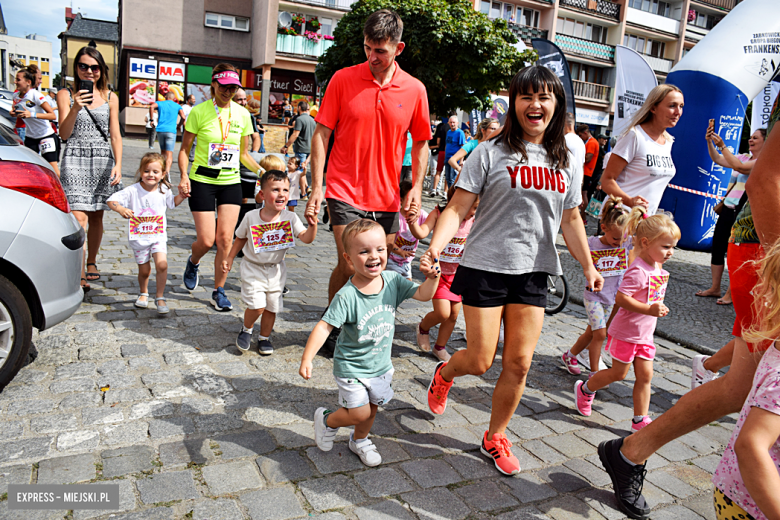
(509, 191)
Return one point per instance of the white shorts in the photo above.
(354, 393)
(262, 284)
(598, 314)
(404, 269)
(144, 252)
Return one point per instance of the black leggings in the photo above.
(720, 237)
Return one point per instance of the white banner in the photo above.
(762, 106)
(635, 79)
(144, 69)
(592, 117)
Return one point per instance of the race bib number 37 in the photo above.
(146, 227)
(224, 155)
(272, 237)
(657, 289)
(453, 251)
(610, 262)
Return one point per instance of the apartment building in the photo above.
(82, 32)
(17, 52)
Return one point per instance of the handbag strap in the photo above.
(92, 116)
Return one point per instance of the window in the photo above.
(658, 7)
(224, 21)
(592, 32)
(326, 26)
(530, 17)
(21, 56)
(44, 60)
(706, 21)
(642, 46)
(495, 10)
(484, 7)
(508, 11)
(587, 73)
(33, 58)
(45, 72)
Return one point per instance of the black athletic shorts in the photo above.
(206, 197)
(52, 156)
(487, 289)
(342, 214)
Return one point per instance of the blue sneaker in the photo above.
(220, 301)
(191, 275)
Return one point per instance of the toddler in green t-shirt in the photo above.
(365, 310)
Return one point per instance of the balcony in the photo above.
(661, 65)
(574, 45)
(600, 7)
(525, 33)
(695, 33)
(300, 46)
(723, 4)
(653, 21)
(341, 5)
(592, 91)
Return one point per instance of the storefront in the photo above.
(292, 86)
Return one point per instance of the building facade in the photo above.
(82, 32)
(16, 53)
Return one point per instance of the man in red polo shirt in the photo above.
(371, 107)
(591, 158)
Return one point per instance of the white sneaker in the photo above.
(583, 358)
(323, 435)
(366, 450)
(701, 375)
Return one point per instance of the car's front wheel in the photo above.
(15, 331)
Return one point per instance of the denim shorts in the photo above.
(167, 141)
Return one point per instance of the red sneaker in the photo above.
(502, 456)
(438, 390)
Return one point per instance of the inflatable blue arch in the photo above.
(718, 78)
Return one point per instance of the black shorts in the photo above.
(589, 184)
(206, 197)
(34, 144)
(342, 214)
(487, 289)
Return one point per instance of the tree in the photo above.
(56, 81)
(459, 54)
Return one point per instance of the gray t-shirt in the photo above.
(520, 208)
(367, 324)
(305, 125)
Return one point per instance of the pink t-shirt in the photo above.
(646, 284)
(405, 240)
(463, 232)
(765, 395)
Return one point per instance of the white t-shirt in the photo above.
(295, 184)
(186, 109)
(520, 210)
(253, 218)
(576, 147)
(146, 204)
(33, 102)
(650, 167)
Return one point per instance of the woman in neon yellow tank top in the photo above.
(221, 128)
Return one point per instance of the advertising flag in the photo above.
(552, 57)
(635, 79)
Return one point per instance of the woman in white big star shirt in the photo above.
(34, 108)
(641, 164)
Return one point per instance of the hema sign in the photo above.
(171, 71)
(145, 69)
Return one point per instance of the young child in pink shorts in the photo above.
(640, 298)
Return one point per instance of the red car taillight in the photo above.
(35, 181)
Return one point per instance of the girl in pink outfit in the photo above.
(446, 304)
(748, 476)
(640, 298)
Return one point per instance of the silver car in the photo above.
(40, 252)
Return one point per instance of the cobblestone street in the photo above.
(167, 408)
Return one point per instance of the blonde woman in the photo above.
(485, 130)
(641, 164)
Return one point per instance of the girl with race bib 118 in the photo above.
(144, 204)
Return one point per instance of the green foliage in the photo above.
(459, 54)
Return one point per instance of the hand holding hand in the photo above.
(313, 206)
(305, 370)
(638, 201)
(659, 310)
(227, 265)
(184, 186)
(429, 268)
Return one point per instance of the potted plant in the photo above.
(313, 24)
(691, 16)
(327, 42)
(312, 43)
(297, 22)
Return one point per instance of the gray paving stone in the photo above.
(156, 513)
(31, 406)
(231, 477)
(112, 367)
(14, 429)
(382, 482)
(436, 504)
(165, 377)
(246, 444)
(273, 504)
(331, 492)
(217, 422)
(66, 470)
(569, 508)
(134, 350)
(385, 510)
(431, 473)
(83, 440)
(595, 436)
(126, 395)
(170, 427)
(144, 363)
(123, 461)
(560, 422)
(471, 466)
(19, 474)
(595, 475)
(544, 452)
(612, 410)
(420, 445)
(184, 452)
(54, 423)
(603, 501)
(676, 451)
(125, 433)
(220, 509)
(562, 479)
(675, 513)
(390, 450)
(127, 501)
(671, 484)
(527, 487)
(75, 370)
(528, 428)
(708, 463)
(524, 513)
(165, 487)
(700, 443)
(570, 445)
(81, 400)
(339, 459)
(702, 506)
(90, 416)
(485, 496)
(284, 466)
(25, 449)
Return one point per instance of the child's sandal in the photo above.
(142, 304)
(161, 309)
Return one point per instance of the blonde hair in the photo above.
(483, 126)
(146, 160)
(644, 115)
(355, 228)
(613, 214)
(272, 162)
(640, 225)
(766, 298)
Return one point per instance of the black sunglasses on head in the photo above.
(84, 67)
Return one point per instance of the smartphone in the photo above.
(712, 124)
(86, 85)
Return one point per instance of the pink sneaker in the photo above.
(571, 364)
(641, 424)
(584, 401)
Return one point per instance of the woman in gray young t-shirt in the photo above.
(528, 186)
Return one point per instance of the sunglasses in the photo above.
(83, 67)
(228, 88)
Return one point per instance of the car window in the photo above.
(7, 135)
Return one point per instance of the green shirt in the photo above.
(744, 231)
(203, 122)
(367, 324)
